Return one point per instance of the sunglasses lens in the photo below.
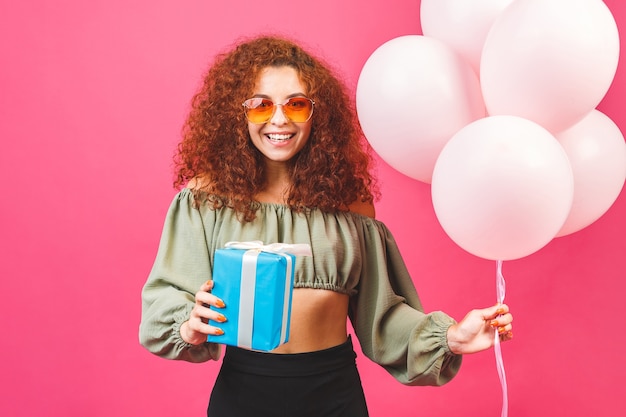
(258, 110)
(298, 109)
(261, 110)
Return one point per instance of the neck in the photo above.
(277, 185)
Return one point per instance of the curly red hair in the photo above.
(331, 172)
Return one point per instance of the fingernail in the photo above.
(219, 332)
(220, 304)
(221, 318)
(493, 323)
(501, 330)
(500, 310)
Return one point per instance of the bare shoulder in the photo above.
(363, 208)
(198, 183)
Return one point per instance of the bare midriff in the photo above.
(318, 321)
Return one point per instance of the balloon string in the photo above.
(501, 290)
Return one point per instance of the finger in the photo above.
(504, 337)
(504, 329)
(206, 298)
(503, 320)
(207, 286)
(200, 316)
(199, 326)
(493, 312)
(205, 313)
(501, 309)
(506, 318)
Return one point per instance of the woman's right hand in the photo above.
(196, 329)
(476, 331)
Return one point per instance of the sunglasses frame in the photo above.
(274, 106)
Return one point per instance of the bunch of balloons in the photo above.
(495, 107)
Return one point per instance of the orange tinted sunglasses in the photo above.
(261, 110)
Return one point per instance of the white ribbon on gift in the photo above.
(248, 283)
(298, 249)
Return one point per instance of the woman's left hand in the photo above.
(476, 331)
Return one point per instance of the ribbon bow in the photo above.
(302, 249)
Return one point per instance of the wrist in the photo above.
(455, 345)
(188, 335)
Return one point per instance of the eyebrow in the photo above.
(288, 97)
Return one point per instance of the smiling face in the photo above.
(279, 139)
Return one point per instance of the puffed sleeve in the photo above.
(389, 320)
(182, 264)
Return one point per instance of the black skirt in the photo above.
(325, 383)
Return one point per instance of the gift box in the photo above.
(255, 281)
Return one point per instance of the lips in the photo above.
(279, 137)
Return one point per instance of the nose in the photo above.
(279, 118)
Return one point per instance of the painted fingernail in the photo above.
(220, 304)
(219, 332)
(221, 318)
(501, 330)
(494, 323)
(500, 311)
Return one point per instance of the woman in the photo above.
(272, 151)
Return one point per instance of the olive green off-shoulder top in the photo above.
(352, 254)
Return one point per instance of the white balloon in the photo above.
(549, 61)
(461, 24)
(502, 187)
(597, 153)
(413, 94)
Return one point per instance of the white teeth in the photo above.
(278, 137)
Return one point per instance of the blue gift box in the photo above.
(256, 287)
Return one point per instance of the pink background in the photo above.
(92, 98)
